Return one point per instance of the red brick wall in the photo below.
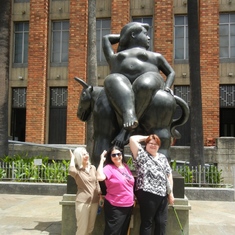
(37, 71)
(163, 28)
(209, 48)
(77, 67)
(120, 14)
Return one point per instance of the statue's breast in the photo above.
(132, 63)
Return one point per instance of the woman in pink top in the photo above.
(88, 190)
(119, 199)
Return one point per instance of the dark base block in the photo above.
(71, 185)
(178, 185)
(178, 188)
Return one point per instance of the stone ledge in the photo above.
(210, 194)
(192, 193)
(33, 188)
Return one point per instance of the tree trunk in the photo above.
(197, 144)
(91, 66)
(4, 74)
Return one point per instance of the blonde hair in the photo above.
(78, 157)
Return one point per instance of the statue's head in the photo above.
(127, 32)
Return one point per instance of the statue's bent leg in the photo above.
(120, 94)
(144, 87)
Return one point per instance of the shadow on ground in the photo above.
(51, 227)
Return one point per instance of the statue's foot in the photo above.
(130, 122)
(122, 138)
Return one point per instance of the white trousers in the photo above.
(86, 216)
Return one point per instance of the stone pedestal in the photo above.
(69, 220)
(69, 226)
(68, 214)
(182, 207)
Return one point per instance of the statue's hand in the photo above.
(167, 89)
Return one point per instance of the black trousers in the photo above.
(153, 210)
(117, 219)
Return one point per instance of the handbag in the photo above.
(168, 185)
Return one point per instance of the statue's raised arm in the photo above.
(134, 73)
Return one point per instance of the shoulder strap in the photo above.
(157, 163)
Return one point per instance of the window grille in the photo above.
(227, 96)
(18, 97)
(58, 97)
(183, 92)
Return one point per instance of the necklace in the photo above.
(125, 173)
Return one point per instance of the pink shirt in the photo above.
(119, 183)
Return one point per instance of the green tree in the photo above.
(197, 146)
(4, 74)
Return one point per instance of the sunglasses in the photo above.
(116, 154)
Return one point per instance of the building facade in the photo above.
(49, 48)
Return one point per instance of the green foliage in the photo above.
(214, 176)
(2, 173)
(210, 175)
(56, 171)
(185, 172)
(130, 164)
(23, 169)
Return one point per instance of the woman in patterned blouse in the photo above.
(153, 171)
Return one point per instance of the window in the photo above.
(181, 38)
(184, 130)
(147, 20)
(102, 28)
(21, 34)
(227, 110)
(227, 35)
(60, 42)
(18, 113)
(58, 115)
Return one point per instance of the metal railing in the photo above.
(36, 171)
(202, 176)
(57, 172)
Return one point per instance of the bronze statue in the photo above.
(134, 74)
(135, 98)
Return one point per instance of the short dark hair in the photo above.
(108, 154)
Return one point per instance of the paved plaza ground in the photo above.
(36, 214)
